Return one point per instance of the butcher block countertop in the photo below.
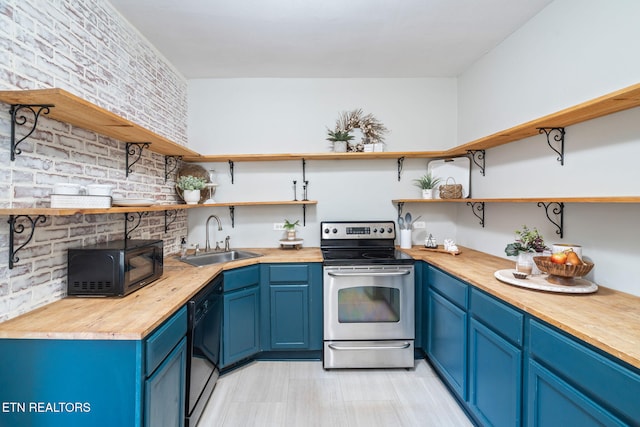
(607, 319)
(136, 315)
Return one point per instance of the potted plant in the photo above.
(427, 183)
(190, 186)
(528, 243)
(290, 228)
(340, 139)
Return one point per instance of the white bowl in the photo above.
(99, 189)
(67, 189)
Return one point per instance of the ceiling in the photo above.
(326, 38)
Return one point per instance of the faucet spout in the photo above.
(207, 246)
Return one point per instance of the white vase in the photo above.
(524, 263)
(427, 193)
(191, 197)
(340, 146)
(378, 147)
(405, 239)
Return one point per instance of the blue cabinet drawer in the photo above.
(164, 339)
(504, 320)
(604, 380)
(241, 278)
(449, 287)
(289, 273)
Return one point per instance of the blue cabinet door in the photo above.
(165, 390)
(495, 377)
(240, 328)
(447, 341)
(553, 402)
(289, 308)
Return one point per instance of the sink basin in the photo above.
(218, 257)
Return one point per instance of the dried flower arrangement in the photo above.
(372, 129)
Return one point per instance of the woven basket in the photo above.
(563, 270)
(451, 191)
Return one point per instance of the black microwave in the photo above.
(114, 268)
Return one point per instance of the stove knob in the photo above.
(375, 230)
(382, 230)
(335, 230)
(390, 230)
(326, 231)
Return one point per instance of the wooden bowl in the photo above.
(561, 274)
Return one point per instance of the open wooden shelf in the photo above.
(154, 208)
(611, 199)
(74, 110)
(316, 156)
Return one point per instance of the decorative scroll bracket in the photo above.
(18, 228)
(134, 149)
(400, 166)
(231, 167)
(304, 215)
(477, 208)
(170, 165)
(130, 218)
(232, 214)
(558, 210)
(169, 218)
(21, 119)
(478, 158)
(557, 137)
(400, 206)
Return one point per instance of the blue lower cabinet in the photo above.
(289, 308)
(240, 325)
(165, 390)
(447, 341)
(66, 383)
(554, 402)
(568, 380)
(495, 377)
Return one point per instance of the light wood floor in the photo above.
(302, 394)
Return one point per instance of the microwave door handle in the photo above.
(369, 273)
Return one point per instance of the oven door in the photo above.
(369, 303)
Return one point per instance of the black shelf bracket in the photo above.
(477, 208)
(558, 137)
(169, 218)
(478, 158)
(304, 215)
(15, 228)
(400, 206)
(304, 170)
(20, 119)
(400, 166)
(557, 210)
(231, 167)
(129, 217)
(170, 165)
(232, 215)
(134, 149)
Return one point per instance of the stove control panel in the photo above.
(358, 230)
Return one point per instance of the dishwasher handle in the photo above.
(381, 346)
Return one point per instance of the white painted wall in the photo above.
(291, 115)
(573, 51)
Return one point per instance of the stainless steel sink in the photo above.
(218, 257)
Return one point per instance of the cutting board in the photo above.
(458, 168)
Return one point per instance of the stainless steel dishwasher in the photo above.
(203, 348)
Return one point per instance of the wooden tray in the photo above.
(440, 248)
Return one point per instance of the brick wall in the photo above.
(88, 49)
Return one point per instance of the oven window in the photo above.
(367, 304)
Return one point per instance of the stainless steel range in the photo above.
(368, 296)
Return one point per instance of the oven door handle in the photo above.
(373, 273)
(370, 347)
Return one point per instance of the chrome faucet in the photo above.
(207, 246)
